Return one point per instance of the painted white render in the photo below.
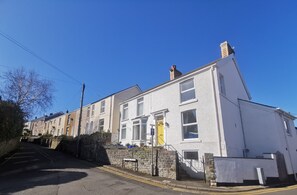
(265, 132)
(214, 114)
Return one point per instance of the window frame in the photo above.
(140, 101)
(190, 151)
(287, 127)
(181, 92)
(222, 84)
(125, 111)
(189, 124)
(142, 123)
(93, 110)
(101, 125)
(102, 106)
(122, 127)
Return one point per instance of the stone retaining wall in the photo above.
(8, 146)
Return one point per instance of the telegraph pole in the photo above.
(79, 121)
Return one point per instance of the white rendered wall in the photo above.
(265, 133)
(167, 97)
(236, 170)
(229, 109)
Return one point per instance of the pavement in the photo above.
(189, 186)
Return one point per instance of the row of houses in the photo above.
(208, 110)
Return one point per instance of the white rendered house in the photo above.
(194, 113)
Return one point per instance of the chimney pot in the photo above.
(226, 49)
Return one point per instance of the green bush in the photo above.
(11, 120)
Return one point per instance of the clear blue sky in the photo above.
(113, 44)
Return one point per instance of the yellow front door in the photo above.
(160, 133)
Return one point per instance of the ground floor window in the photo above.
(191, 155)
(124, 131)
(139, 130)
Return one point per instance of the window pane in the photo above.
(102, 108)
(189, 117)
(187, 85)
(191, 155)
(136, 131)
(190, 131)
(125, 111)
(143, 131)
(123, 132)
(140, 109)
(188, 95)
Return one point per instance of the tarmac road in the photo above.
(38, 170)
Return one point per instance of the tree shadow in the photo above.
(45, 167)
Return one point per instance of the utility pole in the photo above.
(79, 121)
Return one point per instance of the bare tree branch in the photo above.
(27, 90)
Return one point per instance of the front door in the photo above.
(160, 131)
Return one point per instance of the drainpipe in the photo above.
(216, 109)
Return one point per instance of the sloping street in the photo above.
(38, 170)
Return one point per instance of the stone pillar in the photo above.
(209, 169)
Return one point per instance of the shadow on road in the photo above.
(34, 166)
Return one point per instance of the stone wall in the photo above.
(8, 146)
(165, 162)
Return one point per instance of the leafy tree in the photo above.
(11, 120)
(27, 90)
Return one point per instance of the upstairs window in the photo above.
(189, 124)
(187, 91)
(102, 108)
(125, 111)
(287, 127)
(88, 112)
(222, 84)
(140, 106)
(93, 110)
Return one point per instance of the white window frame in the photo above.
(287, 127)
(88, 111)
(93, 110)
(102, 106)
(124, 126)
(187, 90)
(101, 126)
(142, 123)
(222, 84)
(189, 124)
(125, 112)
(140, 102)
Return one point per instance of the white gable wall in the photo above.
(228, 106)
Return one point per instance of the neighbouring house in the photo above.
(70, 123)
(51, 122)
(200, 113)
(104, 115)
(37, 125)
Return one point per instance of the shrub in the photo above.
(11, 120)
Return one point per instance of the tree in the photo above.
(27, 90)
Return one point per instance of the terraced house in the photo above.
(104, 115)
(199, 112)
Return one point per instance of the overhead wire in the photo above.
(38, 57)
